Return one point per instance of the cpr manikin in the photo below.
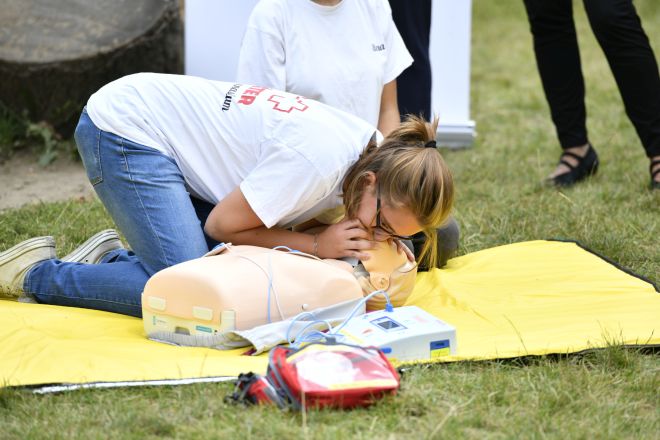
(200, 302)
(388, 270)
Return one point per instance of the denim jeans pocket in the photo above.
(88, 140)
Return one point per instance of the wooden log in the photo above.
(55, 54)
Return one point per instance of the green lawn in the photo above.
(611, 393)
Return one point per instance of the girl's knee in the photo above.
(448, 237)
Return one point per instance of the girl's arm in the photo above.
(232, 220)
(389, 117)
(309, 225)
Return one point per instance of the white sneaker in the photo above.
(93, 250)
(17, 261)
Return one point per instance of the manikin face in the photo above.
(388, 221)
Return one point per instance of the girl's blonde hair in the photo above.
(410, 175)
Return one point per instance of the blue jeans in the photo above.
(145, 194)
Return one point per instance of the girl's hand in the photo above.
(348, 238)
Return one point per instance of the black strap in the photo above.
(274, 368)
(241, 388)
(569, 165)
(573, 155)
(654, 163)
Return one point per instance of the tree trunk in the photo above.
(55, 54)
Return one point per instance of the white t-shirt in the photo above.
(288, 154)
(340, 55)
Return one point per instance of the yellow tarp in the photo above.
(528, 298)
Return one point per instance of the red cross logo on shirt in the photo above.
(287, 103)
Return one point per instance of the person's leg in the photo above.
(144, 192)
(619, 32)
(413, 20)
(558, 61)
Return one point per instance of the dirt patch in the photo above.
(24, 181)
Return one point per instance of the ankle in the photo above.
(656, 163)
(575, 164)
(580, 150)
(654, 169)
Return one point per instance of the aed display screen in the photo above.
(387, 324)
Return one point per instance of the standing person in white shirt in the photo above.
(265, 161)
(344, 53)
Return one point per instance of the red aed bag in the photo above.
(321, 375)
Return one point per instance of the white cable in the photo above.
(362, 301)
(270, 287)
(300, 338)
(298, 317)
(275, 294)
(302, 331)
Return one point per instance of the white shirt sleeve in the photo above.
(262, 56)
(284, 184)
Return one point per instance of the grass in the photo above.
(611, 393)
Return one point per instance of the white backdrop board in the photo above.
(213, 33)
(214, 29)
(451, 26)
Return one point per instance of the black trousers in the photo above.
(619, 32)
(413, 20)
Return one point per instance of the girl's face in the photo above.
(388, 221)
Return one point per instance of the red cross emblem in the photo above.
(288, 103)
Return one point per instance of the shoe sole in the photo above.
(96, 241)
(27, 246)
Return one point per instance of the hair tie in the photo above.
(430, 144)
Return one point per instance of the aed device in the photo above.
(404, 334)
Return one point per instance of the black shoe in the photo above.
(654, 183)
(586, 166)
